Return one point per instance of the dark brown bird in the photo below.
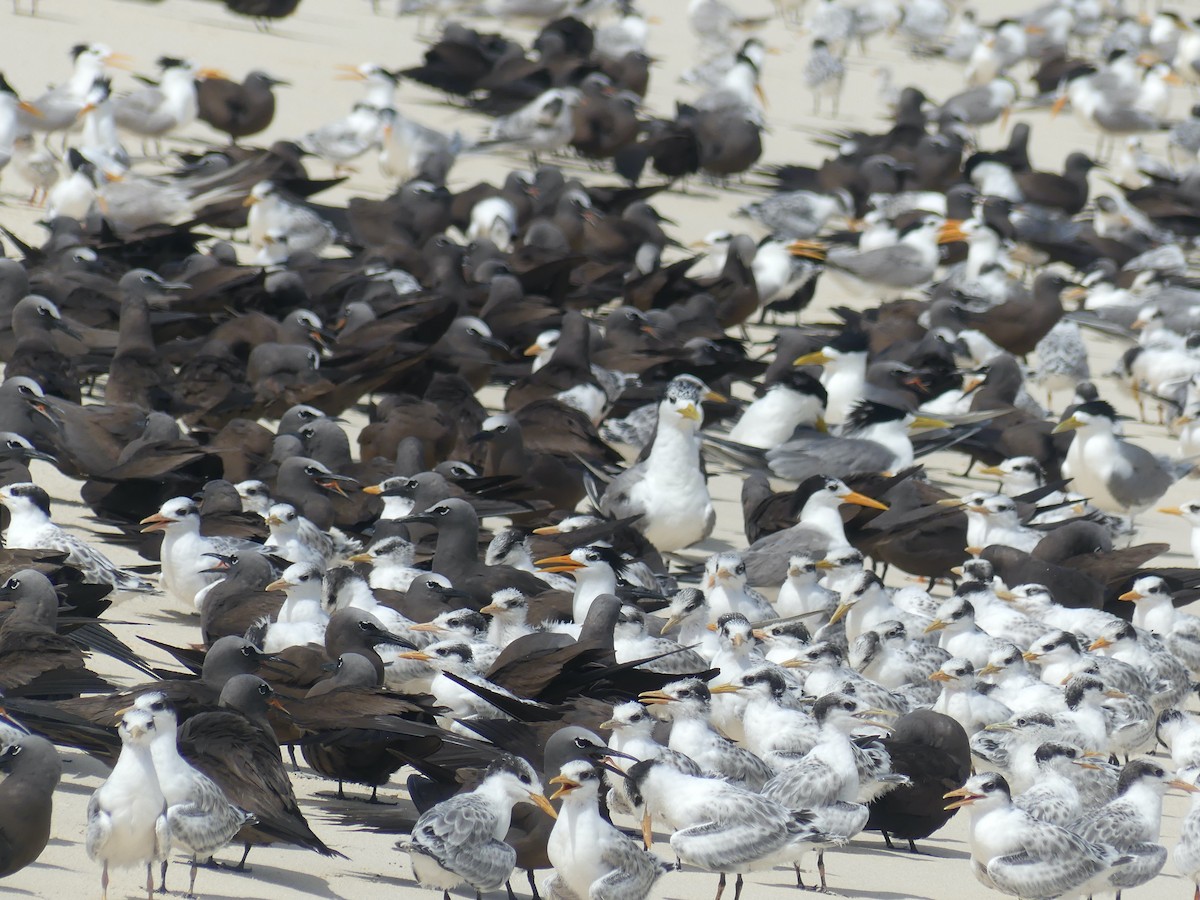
(26, 800)
(238, 110)
(934, 752)
(236, 748)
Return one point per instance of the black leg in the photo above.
(241, 866)
(912, 846)
(887, 840)
(508, 887)
(737, 888)
(162, 877)
(720, 886)
(533, 884)
(821, 869)
(799, 878)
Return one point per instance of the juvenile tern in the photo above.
(1014, 853)
(592, 858)
(461, 839)
(127, 816)
(687, 704)
(30, 527)
(716, 825)
(200, 817)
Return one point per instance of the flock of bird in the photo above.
(431, 473)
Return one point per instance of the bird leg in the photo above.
(821, 869)
(149, 881)
(799, 877)
(533, 884)
(887, 840)
(478, 895)
(912, 846)
(162, 878)
(720, 886)
(104, 882)
(737, 888)
(512, 895)
(341, 793)
(192, 880)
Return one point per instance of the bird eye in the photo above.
(146, 279)
(442, 510)
(503, 429)
(311, 470)
(13, 584)
(248, 651)
(264, 689)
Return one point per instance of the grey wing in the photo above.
(682, 661)
(1146, 481)
(897, 265)
(807, 783)
(767, 558)
(1148, 860)
(98, 568)
(1048, 807)
(829, 456)
(743, 766)
(616, 502)
(139, 109)
(99, 828)
(1111, 825)
(729, 843)
(554, 888)
(207, 821)
(633, 873)
(1026, 876)
(459, 834)
(230, 545)
(841, 820)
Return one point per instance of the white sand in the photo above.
(304, 50)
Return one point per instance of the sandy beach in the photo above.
(304, 49)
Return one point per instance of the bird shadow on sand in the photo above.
(248, 27)
(936, 851)
(310, 885)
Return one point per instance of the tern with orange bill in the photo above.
(186, 569)
(591, 857)
(460, 840)
(909, 263)
(1155, 612)
(1016, 854)
(155, 112)
(1117, 475)
(820, 529)
(59, 108)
